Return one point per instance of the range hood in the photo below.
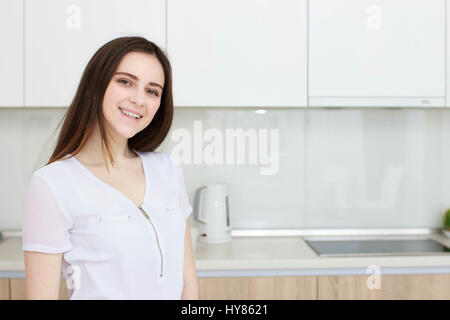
(376, 102)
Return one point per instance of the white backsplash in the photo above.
(377, 168)
(255, 200)
(337, 168)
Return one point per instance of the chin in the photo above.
(126, 132)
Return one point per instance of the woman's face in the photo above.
(135, 87)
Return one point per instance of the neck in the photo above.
(120, 151)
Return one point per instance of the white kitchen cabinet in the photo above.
(11, 62)
(62, 35)
(377, 53)
(238, 53)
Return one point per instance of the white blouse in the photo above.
(112, 248)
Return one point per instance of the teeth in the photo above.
(130, 114)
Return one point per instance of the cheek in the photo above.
(113, 95)
(153, 108)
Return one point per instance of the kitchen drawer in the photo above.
(258, 288)
(402, 287)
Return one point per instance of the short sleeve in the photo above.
(45, 227)
(184, 199)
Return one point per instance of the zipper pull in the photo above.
(144, 213)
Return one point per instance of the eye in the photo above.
(153, 92)
(125, 82)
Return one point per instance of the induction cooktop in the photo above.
(377, 247)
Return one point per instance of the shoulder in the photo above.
(53, 171)
(162, 162)
(159, 157)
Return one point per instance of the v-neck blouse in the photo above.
(106, 185)
(112, 249)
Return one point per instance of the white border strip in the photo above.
(306, 232)
(332, 232)
(290, 272)
(317, 272)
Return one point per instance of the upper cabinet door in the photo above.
(11, 62)
(377, 53)
(238, 53)
(62, 35)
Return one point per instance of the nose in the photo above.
(137, 99)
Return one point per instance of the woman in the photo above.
(118, 232)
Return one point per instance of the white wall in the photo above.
(344, 168)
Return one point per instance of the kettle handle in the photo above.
(197, 205)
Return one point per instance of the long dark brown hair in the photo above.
(85, 111)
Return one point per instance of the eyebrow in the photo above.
(155, 84)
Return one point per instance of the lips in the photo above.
(132, 111)
(127, 117)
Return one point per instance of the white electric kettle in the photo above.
(211, 210)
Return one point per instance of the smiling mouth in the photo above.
(130, 114)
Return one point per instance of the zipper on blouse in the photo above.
(156, 234)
